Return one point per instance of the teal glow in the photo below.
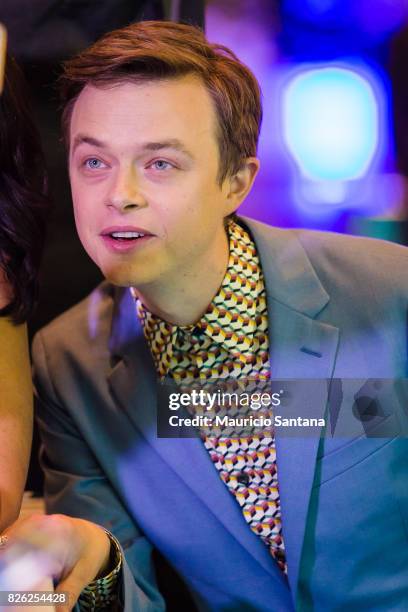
(331, 123)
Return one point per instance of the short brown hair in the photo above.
(152, 50)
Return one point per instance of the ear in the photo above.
(238, 185)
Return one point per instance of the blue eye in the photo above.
(161, 164)
(93, 163)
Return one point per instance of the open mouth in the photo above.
(126, 236)
(124, 240)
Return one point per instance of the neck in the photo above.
(184, 298)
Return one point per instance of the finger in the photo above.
(70, 603)
(74, 583)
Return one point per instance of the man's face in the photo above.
(144, 160)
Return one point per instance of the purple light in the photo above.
(379, 17)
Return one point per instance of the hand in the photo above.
(79, 550)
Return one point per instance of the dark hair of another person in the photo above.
(23, 196)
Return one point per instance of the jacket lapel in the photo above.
(301, 349)
(296, 456)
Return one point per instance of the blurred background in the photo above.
(334, 75)
(334, 140)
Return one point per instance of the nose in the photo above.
(125, 192)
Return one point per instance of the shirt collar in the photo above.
(242, 283)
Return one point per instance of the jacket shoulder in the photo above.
(347, 258)
(86, 323)
(355, 272)
(348, 244)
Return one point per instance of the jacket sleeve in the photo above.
(75, 485)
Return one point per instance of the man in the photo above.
(162, 130)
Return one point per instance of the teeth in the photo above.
(126, 235)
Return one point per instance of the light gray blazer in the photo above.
(337, 307)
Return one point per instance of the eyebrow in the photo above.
(83, 139)
(171, 143)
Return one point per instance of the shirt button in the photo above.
(243, 478)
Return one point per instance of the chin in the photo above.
(120, 280)
(125, 278)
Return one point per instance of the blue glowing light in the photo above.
(331, 123)
(373, 17)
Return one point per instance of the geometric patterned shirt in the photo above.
(230, 341)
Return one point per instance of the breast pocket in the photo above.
(337, 455)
